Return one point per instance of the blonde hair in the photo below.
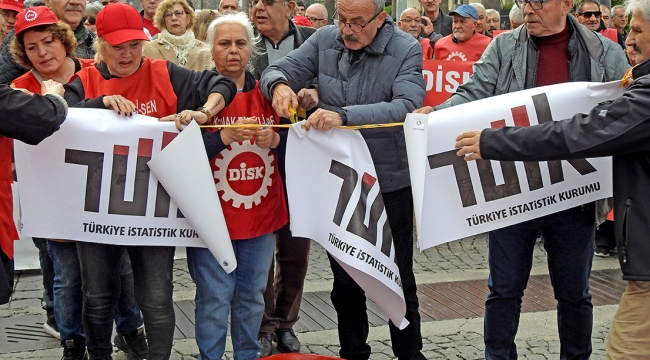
(203, 19)
(99, 43)
(166, 5)
(60, 31)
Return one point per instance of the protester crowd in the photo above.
(211, 66)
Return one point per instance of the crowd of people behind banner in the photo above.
(212, 66)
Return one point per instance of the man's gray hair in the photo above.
(642, 6)
(31, 3)
(379, 5)
(615, 8)
(477, 6)
(491, 11)
(516, 15)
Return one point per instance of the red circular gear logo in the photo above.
(30, 15)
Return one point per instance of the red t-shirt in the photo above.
(470, 50)
(246, 176)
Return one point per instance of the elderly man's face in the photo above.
(480, 23)
(493, 22)
(411, 22)
(357, 26)
(549, 20)
(226, 6)
(639, 37)
(316, 16)
(70, 11)
(149, 7)
(270, 16)
(463, 28)
(590, 16)
(619, 20)
(430, 6)
(606, 15)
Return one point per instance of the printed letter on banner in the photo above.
(443, 78)
(461, 199)
(334, 199)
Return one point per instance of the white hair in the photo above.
(239, 19)
(642, 6)
(379, 5)
(516, 15)
(492, 11)
(477, 6)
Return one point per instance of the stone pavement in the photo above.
(465, 259)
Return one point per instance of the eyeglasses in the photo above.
(534, 4)
(178, 13)
(589, 14)
(313, 19)
(357, 28)
(266, 3)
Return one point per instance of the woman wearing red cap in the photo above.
(44, 44)
(176, 41)
(8, 10)
(151, 87)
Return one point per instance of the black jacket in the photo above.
(619, 128)
(27, 118)
(260, 63)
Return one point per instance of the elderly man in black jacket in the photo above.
(619, 128)
(286, 278)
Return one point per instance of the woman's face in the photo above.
(46, 53)
(124, 59)
(231, 50)
(176, 20)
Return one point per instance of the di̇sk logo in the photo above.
(456, 55)
(31, 15)
(242, 174)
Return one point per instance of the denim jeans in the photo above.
(569, 241)
(349, 299)
(152, 276)
(47, 270)
(240, 292)
(68, 297)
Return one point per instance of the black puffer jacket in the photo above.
(619, 128)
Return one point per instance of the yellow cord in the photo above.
(286, 126)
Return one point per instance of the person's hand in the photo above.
(424, 110)
(428, 28)
(119, 104)
(231, 135)
(185, 117)
(308, 98)
(51, 87)
(323, 120)
(469, 144)
(283, 96)
(267, 138)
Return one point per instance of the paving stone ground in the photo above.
(452, 339)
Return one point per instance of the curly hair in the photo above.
(165, 6)
(60, 31)
(203, 19)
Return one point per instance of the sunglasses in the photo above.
(589, 14)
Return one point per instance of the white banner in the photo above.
(455, 199)
(90, 182)
(334, 199)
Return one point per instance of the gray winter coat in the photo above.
(381, 86)
(509, 64)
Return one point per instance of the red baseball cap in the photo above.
(15, 5)
(36, 16)
(118, 23)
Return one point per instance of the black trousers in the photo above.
(6, 278)
(349, 299)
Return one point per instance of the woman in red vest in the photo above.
(44, 44)
(125, 81)
(247, 177)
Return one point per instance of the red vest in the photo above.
(246, 176)
(149, 88)
(427, 50)
(28, 80)
(8, 231)
(611, 34)
(470, 50)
